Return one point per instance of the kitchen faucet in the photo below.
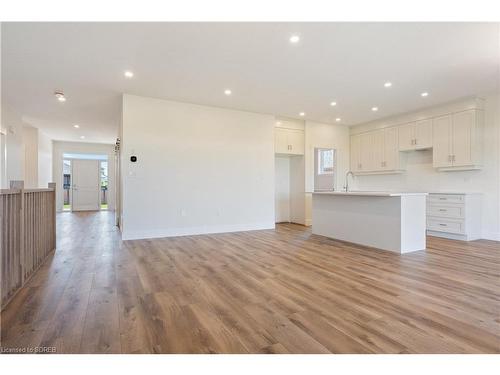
(346, 187)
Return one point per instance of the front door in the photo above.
(85, 174)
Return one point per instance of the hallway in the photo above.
(272, 291)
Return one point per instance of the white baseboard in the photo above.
(494, 236)
(192, 231)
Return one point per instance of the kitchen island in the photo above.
(391, 221)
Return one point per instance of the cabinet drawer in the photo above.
(446, 198)
(443, 225)
(452, 211)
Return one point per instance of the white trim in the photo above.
(491, 236)
(192, 231)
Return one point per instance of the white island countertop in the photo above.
(369, 193)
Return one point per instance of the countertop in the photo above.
(368, 193)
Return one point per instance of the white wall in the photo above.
(37, 158)
(44, 160)
(421, 176)
(318, 135)
(30, 146)
(59, 148)
(12, 126)
(200, 169)
(282, 188)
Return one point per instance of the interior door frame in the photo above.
(316, 162)
(73, 180)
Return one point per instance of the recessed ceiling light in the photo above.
(374, 109)
(387, 84)
(60, 96)
(82, 137)
(424, 94)
(76, 126)
(228, 92)
(338, 119)
(333, 104)
(128, 74)
(294, 39)
(278, 122)
(302, 114)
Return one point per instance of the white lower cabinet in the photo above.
(454, 215)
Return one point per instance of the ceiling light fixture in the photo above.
(333, 104)
(228, 92)
(424, 94)
(128, 74)
(302, 114)
(374, 109)
(338, 119)
(60, 96)
(82, 137)
(294, 39)
(387, 84)
(278, 122)
(76, 126)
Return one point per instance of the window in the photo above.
(325, 161)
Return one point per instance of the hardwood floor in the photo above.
(272, 291)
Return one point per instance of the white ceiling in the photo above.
(195, 62)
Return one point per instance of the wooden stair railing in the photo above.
(27, 235)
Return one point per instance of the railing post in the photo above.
(19, 184)
(52, 185)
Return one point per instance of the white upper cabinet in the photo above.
(355, 153)
(441, 151)
(392, 158)
(415, 135)
(457, 140)
(406, 137)
(288, 141)
(375, 152)
(280, 141)
(377, 157)
(296, 142)
(365, 153)
(423, 134)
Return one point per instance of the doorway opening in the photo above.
(85, 182)
(324, 169)
(103, 168)
(66, 185)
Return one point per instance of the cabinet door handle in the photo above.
(443, 225)
(443, 199)
(442, 210)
